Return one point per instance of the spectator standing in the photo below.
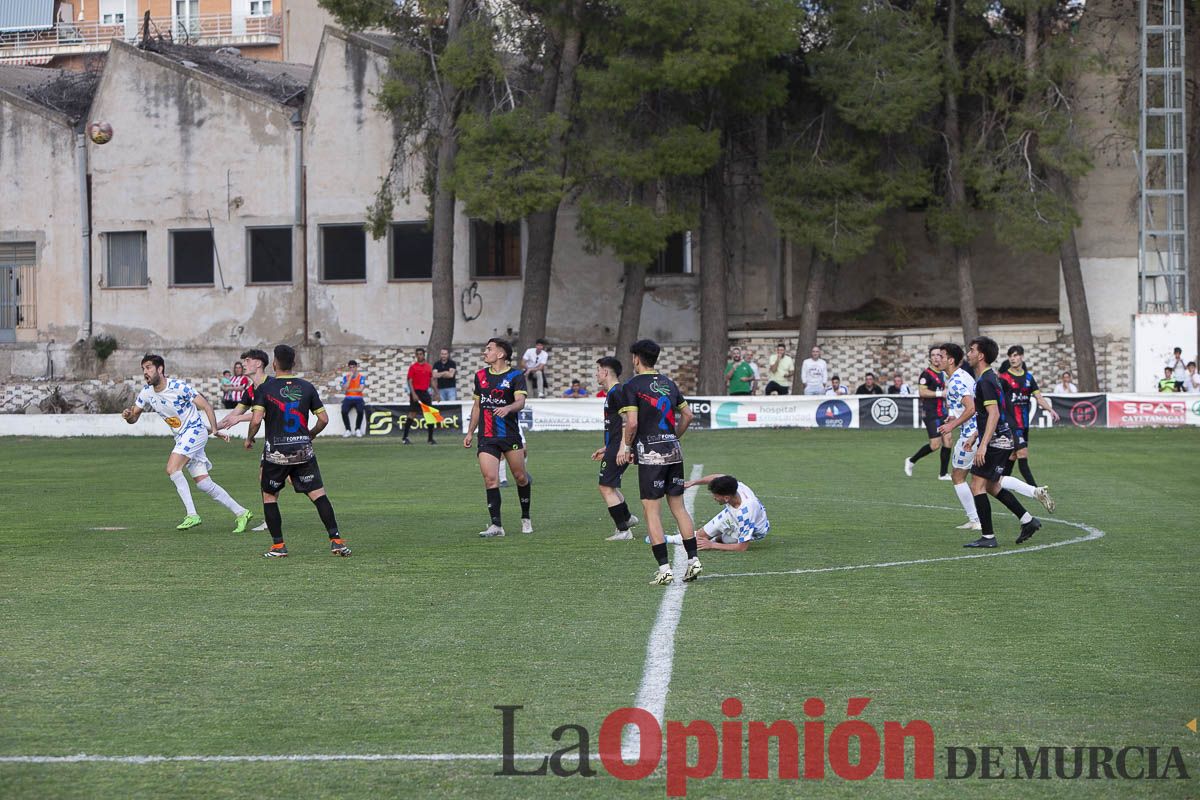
(575, 390)
(227, 389)
(535, 359)
(1178, 368)
(814, 372)
(420, 377)
(1064, 385)
(748, 357)
(779, 371)
(869, 386)
(353, 383)
(739, 377)
(445, 371)
(898, 386)
(835, 387)
(1191, 381)
(241, 383)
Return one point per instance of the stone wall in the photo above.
(851, 354)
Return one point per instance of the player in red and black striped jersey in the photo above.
(931, 386)
(656, 415)
(499, 397)
(1023, 390)
(993, 415)
(608, 374)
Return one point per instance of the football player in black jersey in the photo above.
(931, 386)
(608, 377)
(656, 415)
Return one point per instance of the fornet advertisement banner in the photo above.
(388, 419)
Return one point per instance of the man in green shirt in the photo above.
(739, 375)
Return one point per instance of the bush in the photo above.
(112, 401)
(104, 346)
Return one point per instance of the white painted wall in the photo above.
(39, 202)
(184, 149)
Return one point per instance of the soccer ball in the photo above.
(100, 132)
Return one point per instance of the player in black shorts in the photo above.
(656, 415)
(284, 402)
(993, 416)
(499, 395)
(1023, 390)
(931, 386)
(608, 374)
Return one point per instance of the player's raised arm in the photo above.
(707, 479)
(968, 411)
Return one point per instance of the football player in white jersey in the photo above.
(181, 406)
(960, 400)
(742, 519)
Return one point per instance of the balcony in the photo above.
(79, 38)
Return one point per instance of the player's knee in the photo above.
(203, 482)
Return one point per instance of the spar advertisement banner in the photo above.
(1141, 410)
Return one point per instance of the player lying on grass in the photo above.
(180, 406)
(742, 519)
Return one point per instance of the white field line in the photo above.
(83, 758)
(1091, 534)
(660, 650)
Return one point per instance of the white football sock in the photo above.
(185, 492)
(213, 490)
(1026, 517)
(673, 538)
(1016, 485)
(503, 471)
(963, 490)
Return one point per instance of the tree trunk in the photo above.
(558, 96)
(441, 331)
(956, 192)
(1081, 318)
(714, 313)
(631, 311)
(810, 315)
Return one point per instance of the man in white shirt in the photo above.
(1064, 385)
(814, 372)
(898, 385)
(1178, 368)
(184, 411)
(535, 359)
(1191, 378)
(742, 519)
(835, 387)
(779, 371)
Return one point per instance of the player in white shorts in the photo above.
(960, 404)
(180, 407)
(742, 519)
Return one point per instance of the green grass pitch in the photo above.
(148, 641)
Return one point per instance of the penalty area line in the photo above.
(1090, 534)
(660, 649)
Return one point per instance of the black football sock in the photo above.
(1023, 463)
(983, 508)
(325, 509)
(945, 452)
(1008, 467)
(493, 504)
(274, 521)
(690, 546)
(1011, 502)
(523, 495)
(660, 553)
(407, 425)
(620, 515)
(924, 451)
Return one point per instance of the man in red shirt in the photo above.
(420, 376)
